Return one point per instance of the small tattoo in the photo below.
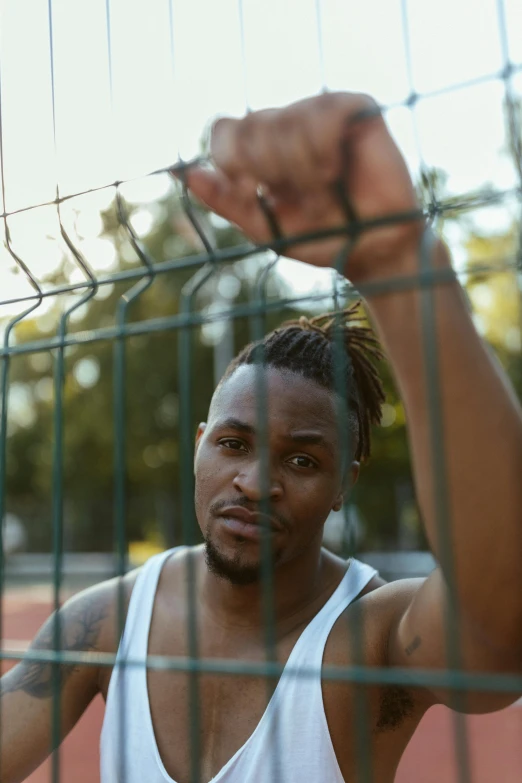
(36, 678)
(413, 645)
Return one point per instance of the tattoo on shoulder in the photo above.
(79, 633)
(413, 645)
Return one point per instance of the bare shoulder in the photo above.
(373, 614)
(379, 609)
(87, 622)
(371, 618)
(82, 625)
(359, 638)
(109, 601)
(388, 597)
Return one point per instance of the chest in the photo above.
(226, 709)
(214, 715)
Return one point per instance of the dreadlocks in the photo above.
(307, 346)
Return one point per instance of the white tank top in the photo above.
(291, 743)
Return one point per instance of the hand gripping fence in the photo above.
(200, 268)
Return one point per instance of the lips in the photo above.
(247, 524)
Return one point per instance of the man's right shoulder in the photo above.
(106, 604)
(110, 599)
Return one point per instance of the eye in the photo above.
(233, 444)
(300, 461)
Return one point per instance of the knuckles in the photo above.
(261, 136)
(289, 117)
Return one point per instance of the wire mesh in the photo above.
(185, 323)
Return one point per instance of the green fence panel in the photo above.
(185, 325)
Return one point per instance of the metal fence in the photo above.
(183, 325)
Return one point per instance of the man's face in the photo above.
(304, 481)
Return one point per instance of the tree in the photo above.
(151, 395)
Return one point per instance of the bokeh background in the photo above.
(132, 87)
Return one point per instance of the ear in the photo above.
(353, 473)
(201, 429)
(349, 480)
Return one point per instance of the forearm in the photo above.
(25, 740)
(482, 440)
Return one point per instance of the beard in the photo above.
(234, 569)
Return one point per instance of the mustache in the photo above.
(216, 508)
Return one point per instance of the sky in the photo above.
(126, 110)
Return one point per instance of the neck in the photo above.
(296, 584)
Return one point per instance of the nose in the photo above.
(250, 482)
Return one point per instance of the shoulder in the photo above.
(111, 599)
(106, 604)
(389, 596)
(381, 604)
(89, 621)
(374, 612)
(359, 638)
(371, 617)
(96, 617)
(84, 624)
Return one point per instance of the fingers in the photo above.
(267, 147)
(243, 149)
(231, 200)
(293, 148)
(318, 162)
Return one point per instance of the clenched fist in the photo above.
(315, 165)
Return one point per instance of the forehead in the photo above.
(291, 401)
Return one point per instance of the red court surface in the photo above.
(495, 740)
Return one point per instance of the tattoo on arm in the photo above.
(79, 633)
(413, 645)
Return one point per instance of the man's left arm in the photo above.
(482, 442)
(300, 158)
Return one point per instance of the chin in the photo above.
(234, 566)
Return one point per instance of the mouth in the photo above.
(247, 524)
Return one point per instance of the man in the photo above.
(297, 170)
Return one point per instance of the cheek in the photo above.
(201, 477)
(209, 477)
(203, 481)
(312, 501)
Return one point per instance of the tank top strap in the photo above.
(309, 648)
(134, 642)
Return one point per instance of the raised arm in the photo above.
(482, 438)
(26, 691)
(303, 156)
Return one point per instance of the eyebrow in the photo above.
(311, 439)
(236, 424)
(301, 438)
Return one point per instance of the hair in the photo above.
(310, 347)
